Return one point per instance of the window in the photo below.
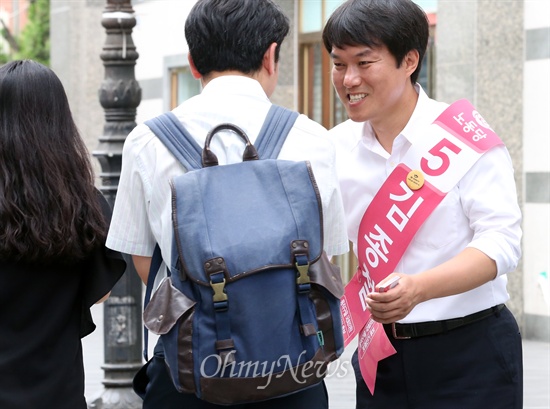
(317, 98)
(182, 86)
(427, 75)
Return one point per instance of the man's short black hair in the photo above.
(400, 25)
(227, 35)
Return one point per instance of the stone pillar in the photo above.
(480, 56)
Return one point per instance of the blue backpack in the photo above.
(250, 310)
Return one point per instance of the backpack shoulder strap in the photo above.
(175, 137)
(278, 123)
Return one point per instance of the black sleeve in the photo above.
(101, 271)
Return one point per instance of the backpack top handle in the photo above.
(210, 159)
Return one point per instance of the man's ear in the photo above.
(411, 61)
(196, 74)
(268, 62)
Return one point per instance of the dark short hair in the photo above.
(400, 25)
(233, 34)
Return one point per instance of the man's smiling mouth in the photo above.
(356, 97)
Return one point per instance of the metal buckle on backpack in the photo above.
(302, 278)
(217, 282)
(300, 254)
(219, 294)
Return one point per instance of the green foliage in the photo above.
(34, 41)
(4, 58)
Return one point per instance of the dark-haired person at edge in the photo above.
(53, 261)
(234, 50)
(457, 344)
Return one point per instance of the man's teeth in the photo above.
(356, 97)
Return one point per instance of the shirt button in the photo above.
(392, 164)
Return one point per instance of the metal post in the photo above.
(119, 95)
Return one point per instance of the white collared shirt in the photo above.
(480, 212)
(142, 211)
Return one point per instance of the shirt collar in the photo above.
(411, 129)
(235, 85)
(418, 116)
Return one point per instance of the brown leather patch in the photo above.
(324, 322)
(185, 354)
(298, 247)
(308, 330)
(326, 274)
(225, 344)
(167, 305)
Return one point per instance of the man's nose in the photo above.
(351, 77)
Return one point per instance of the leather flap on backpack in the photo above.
(167, 305)
(327, 275)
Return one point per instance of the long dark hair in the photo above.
(49, 208)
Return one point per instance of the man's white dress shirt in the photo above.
(480, 212)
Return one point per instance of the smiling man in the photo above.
(457, 344)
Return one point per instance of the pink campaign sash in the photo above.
(430, 169)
